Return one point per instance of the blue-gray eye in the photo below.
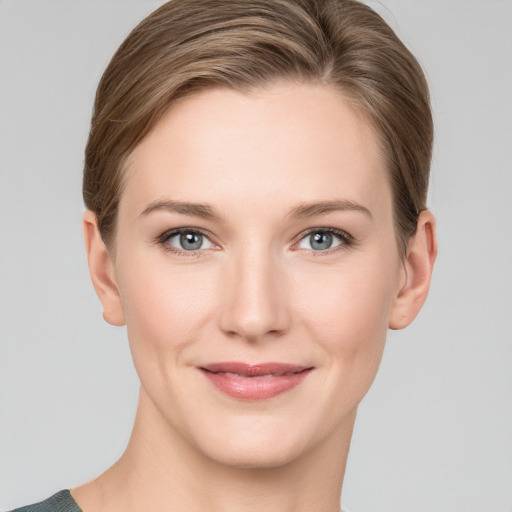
(189, 241)
(320, 241)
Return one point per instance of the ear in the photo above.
(101, 269)
(416, 273)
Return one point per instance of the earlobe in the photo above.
(416, 273)
(101, 270)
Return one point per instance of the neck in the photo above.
(160, 470)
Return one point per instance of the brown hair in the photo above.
(188, 45)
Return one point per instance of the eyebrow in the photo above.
(206, 211)
(313, 209)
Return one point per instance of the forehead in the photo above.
(284, 144)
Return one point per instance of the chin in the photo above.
(255, 455)
(258, 444)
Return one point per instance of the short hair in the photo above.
(187, 46)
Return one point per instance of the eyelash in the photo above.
(165, 237)
(347, 240)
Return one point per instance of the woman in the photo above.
(255, 182)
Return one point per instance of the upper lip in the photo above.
(254, 370)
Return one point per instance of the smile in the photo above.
(254, 382)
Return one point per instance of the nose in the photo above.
(256, 304)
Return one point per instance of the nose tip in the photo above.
(253, 325)
(256, 305)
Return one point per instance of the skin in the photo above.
(256, 291)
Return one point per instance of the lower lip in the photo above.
(255, 388)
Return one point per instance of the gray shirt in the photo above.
(60, 502)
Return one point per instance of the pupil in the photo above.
(191, 241)
(321, 241)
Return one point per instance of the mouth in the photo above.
(254, 381)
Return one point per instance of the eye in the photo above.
(186, 240)
(324, 239)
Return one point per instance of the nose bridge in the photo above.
(256, 304)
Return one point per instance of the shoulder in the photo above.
(60, 502)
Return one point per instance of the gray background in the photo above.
(434, 433)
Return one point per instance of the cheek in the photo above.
(347, 311)
(166, 306)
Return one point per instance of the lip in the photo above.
(254, 381)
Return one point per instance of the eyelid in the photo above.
(347, 240)
(164, 238)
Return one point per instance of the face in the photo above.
(257, 268)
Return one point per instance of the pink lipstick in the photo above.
(254, 381)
